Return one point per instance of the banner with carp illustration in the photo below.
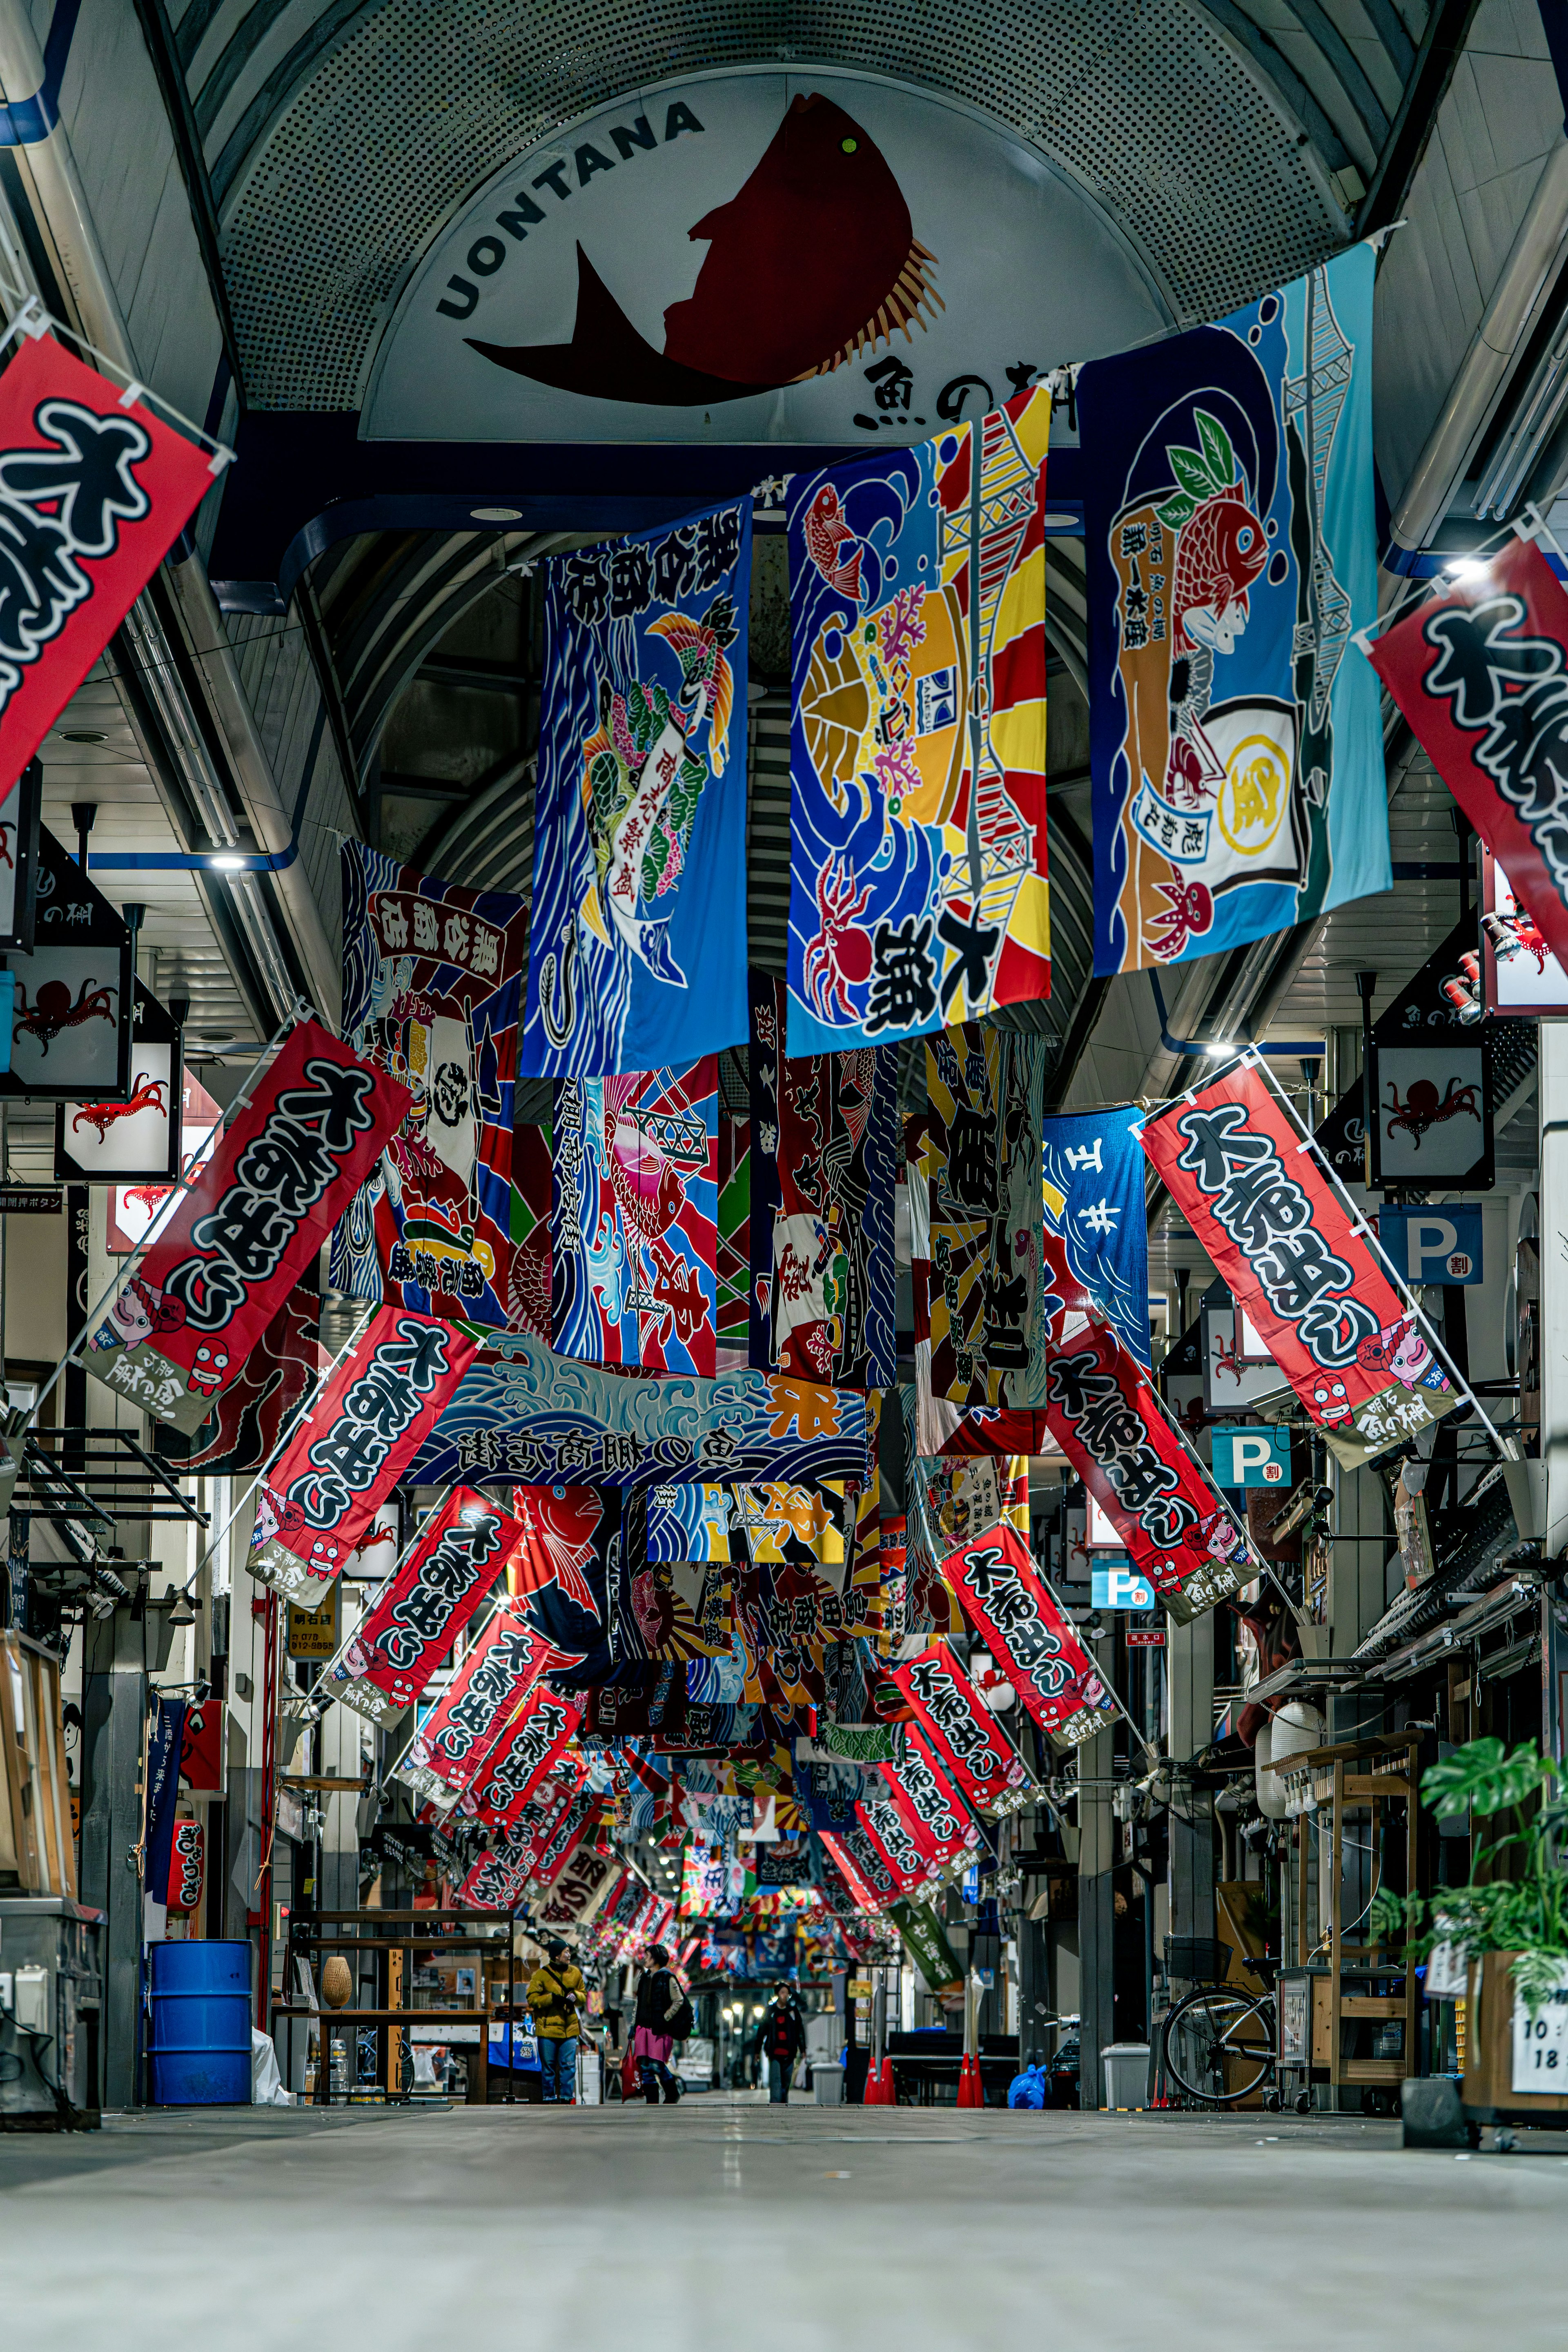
(1231, 549)
(1033, 1644)
(638, 949)
(421, 1610)
(432, 995)
(918, 889)
(1299, 1261)
(633, 1219)
(181, 1331)
(316, 1505)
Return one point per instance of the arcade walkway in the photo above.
(605, 2230)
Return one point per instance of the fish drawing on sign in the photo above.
(648, 1186)
(811, 259)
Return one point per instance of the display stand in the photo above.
(358, 1932)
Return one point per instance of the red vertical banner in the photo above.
(1300, 1262)
(421, 1611)
(961, 1731)
(534, 1736)
(1001, 1593)
(452, 1743)
(933, 1809)
(187, 1867)
(863, 1864)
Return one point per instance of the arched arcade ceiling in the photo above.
(1227, 146)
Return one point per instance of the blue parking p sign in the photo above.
(1441, 1244)
(1252, 1457)
(1120, 1587)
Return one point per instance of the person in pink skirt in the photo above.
(663, 2018)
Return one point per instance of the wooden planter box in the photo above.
(1488, 2094)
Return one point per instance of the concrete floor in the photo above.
(727, 2222)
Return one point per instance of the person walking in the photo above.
(663, 2018)
(781, 2039)
(554, 1999)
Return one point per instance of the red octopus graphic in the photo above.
(54, 1010)
(151, 1094)
(1422, 1109)
(841, 951)
(1189, 910)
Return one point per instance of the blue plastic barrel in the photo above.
(200, 2041)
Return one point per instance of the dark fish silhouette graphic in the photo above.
(814, 258)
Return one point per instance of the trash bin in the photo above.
(827, 2081)
(1126, 2073)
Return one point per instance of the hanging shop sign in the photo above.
(1431, 1113)
(20, 804)
(179, 1332)
(981, 1168)
(312, 1633)
(758, 257)
(961, 1731)
(138, 1211)
(516, 1763)
(71, 1021)
(94, 489)
(918, 889)
(187, 1868)
(1239, 1371)
(315, 1506)
(1094, 1202)
(1235, 745)
(1477, 669)
(204, 1756)
(1251, 1457)
(638, 939)
(136, 1141)
(1522, 974)
(432, 997)
(471, 1716)
(1005, 1599)
(1301, 1264)
(633, 1219)
(419, 1614)
(1441, 1245)
(1113, 1585)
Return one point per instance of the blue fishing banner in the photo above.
(918, 892)
(1094, 1172)
(1231, 550)
(638, 954)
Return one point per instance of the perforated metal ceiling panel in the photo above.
(1145, 102)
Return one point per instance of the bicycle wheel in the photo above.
(1220, 2044)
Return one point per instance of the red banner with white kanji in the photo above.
(933, 1810)
(1301, 1264)
(423, 1608)
(954, 1722)
(534, 1736)
(1000, 1591)
(451, 1744)
(862, 1865)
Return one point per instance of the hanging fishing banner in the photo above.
(863, 1864)
(432, 993)
(910, 1857)
(634, 1222)
(182, 1329)
(962, 1733)
(94, 490)
(453, 1741)
(918, 892)
(1479, 671)
(422, 1609)
(1300, 1261)
(638, 949)
(524, 1413)
(732, 1315)
(981, 1170)
(534, 1736)
(241, 1433)
(1094, 1183)
(567, 1566)
(1232, 553)
(562, 1843)
(922, 1792)
(1035, 1645)
(346, 1454)
(826, 1143)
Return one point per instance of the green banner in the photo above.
(920, 1933)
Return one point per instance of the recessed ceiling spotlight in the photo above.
(495, 514)
(81, 735)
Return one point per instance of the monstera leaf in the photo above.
(1484, 1777)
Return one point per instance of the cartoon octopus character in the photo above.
(1422, 1109)
(54, 1010)
(1187, 912)
(1332, 1400)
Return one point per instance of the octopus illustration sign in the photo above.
(1235, 741)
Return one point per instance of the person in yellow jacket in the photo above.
(554, 1999)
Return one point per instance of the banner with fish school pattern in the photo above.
(634, 1222)
(1094, 1180)
(432, 995)
(918, 892)
(1232, 555)
(639, 947)
(981, 1171)
(521, 1412)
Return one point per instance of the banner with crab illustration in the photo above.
(1299, 1261)
(638, 949)
(918, 891)
(1232, 555)
(633, 1221)
(826, 1145)
(432, 992)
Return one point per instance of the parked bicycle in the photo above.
(1221, 2042)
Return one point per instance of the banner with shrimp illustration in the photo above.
(432, 993)
(918, 892)
(633, 1223)
(1232, 555)
(638, 947)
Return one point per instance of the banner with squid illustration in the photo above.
(918, 892)
(634, 1225)
(432, 994)
(1231, 551)
(639, 947)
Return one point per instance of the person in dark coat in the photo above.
(660, 1996)
(781, 2039)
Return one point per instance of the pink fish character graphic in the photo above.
(648, 1187)
(826, 529)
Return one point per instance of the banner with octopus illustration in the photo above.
(633, 1223)
(1231, 548)
(432, 994)
(918, 892)
(639, 947)
(979, 1168)
(825, 1148)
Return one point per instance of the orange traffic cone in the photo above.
(971, 2092)
(887, 2088)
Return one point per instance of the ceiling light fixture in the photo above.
(1467, 568)
(226, 863)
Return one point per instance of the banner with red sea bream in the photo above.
(1478, 669)
(963, 1734)
(520, 1759)
(418, 1616)
(183, 1327)
(1001, 1593)
(1301, 1264)
(452, 1743)
(317, 1504)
